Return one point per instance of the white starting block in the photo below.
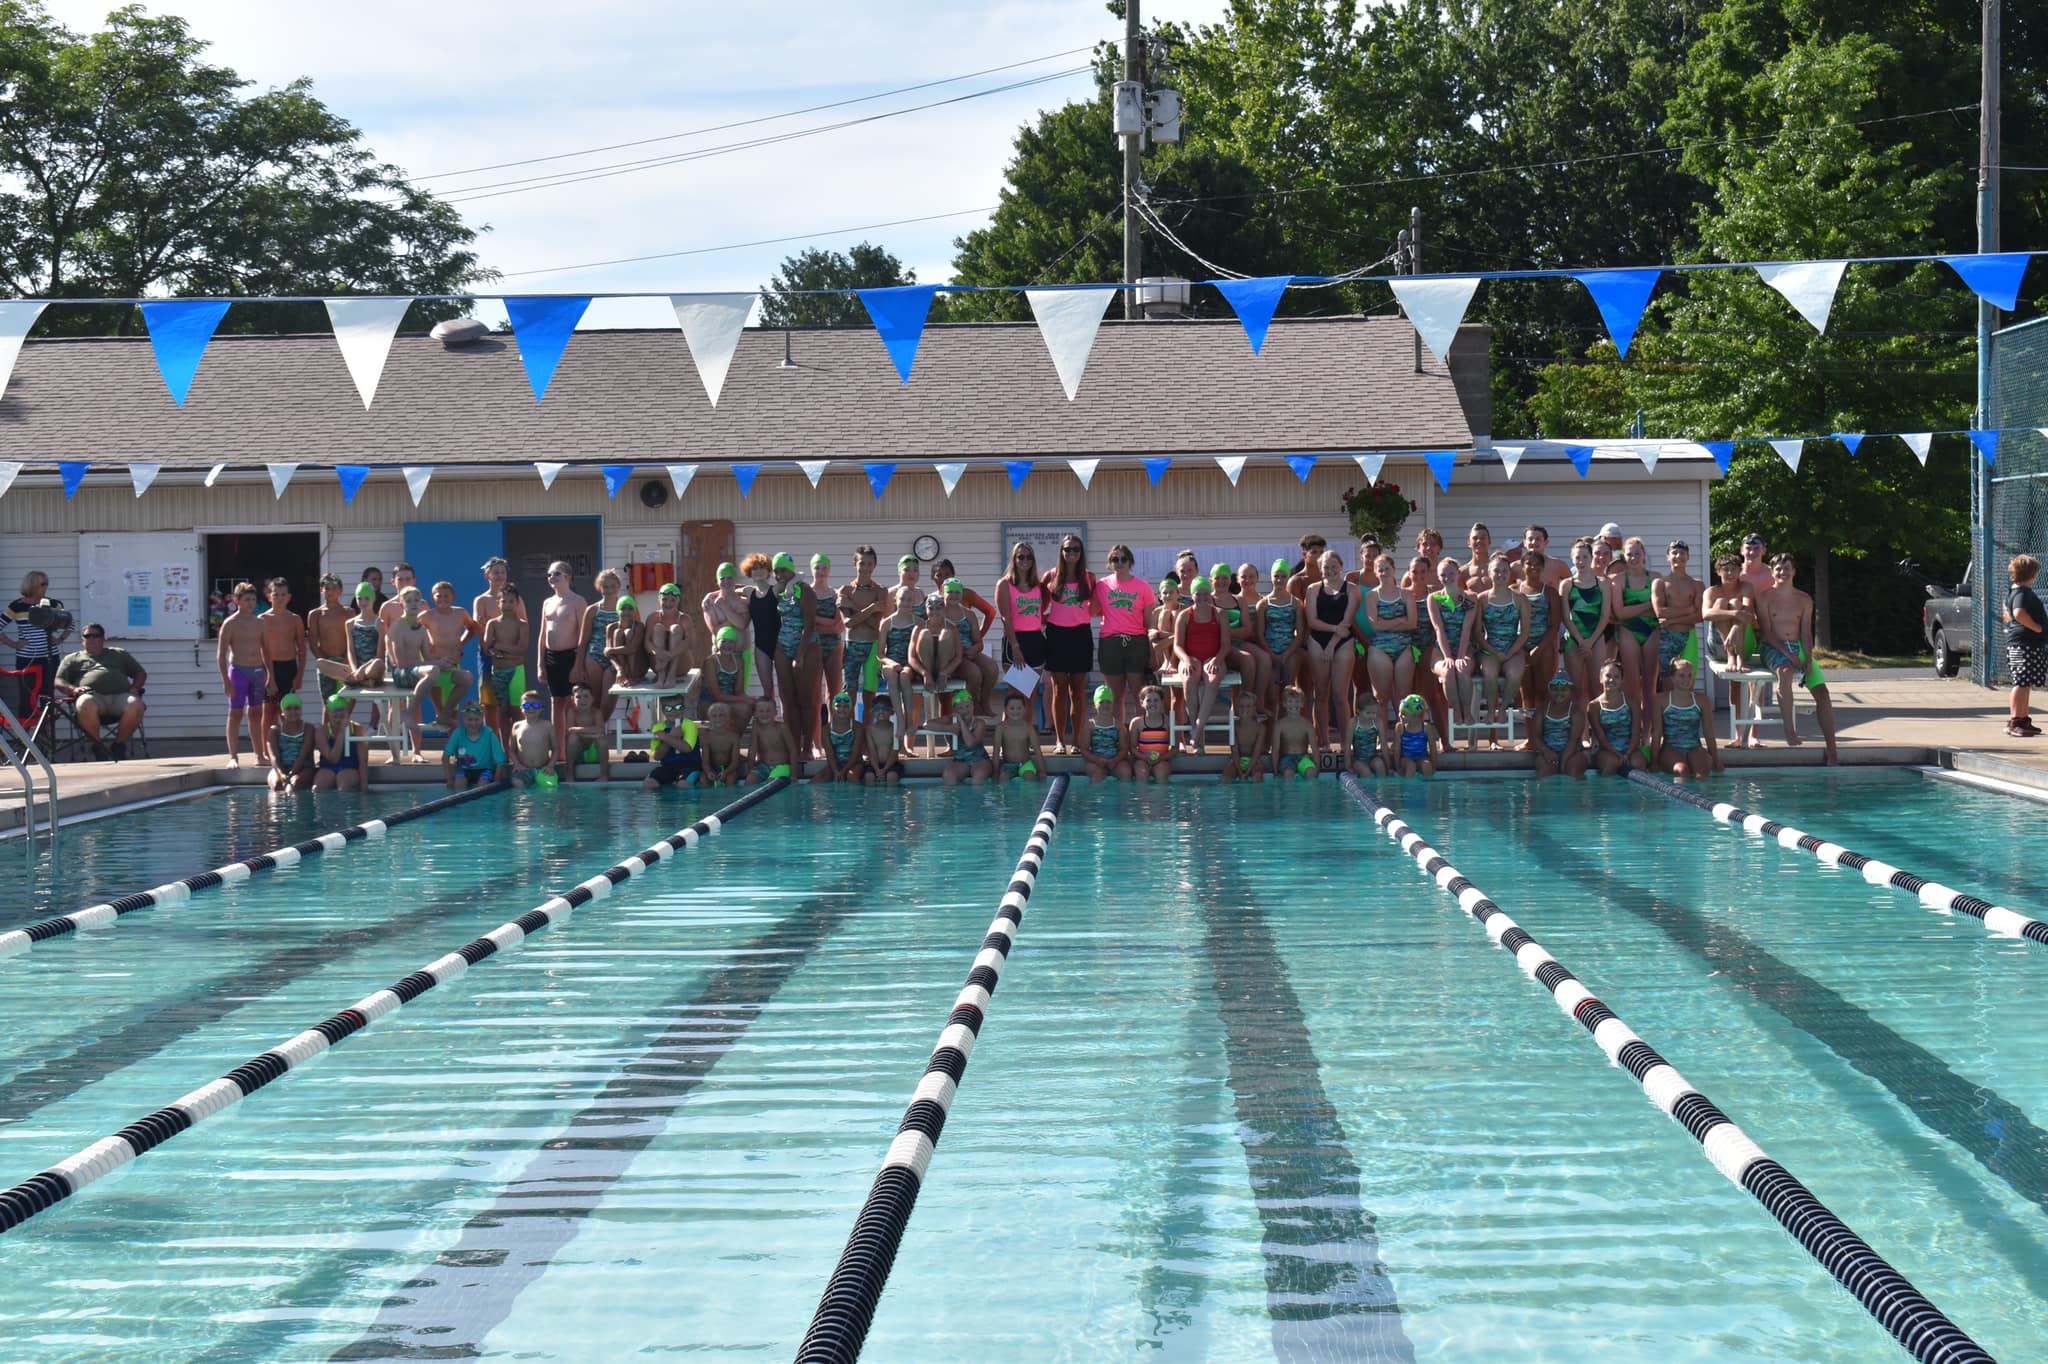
(1745, 708)
(927, 734)
(1222, 716)
(1504, 732)
(647, 694)
(391, 730)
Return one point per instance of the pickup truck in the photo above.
(1945, 620)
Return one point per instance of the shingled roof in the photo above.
(1320, 385)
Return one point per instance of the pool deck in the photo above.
(1887, 717)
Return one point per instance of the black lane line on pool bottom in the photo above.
(1993, 1130)
(847, 1307)
(179, 891)
(503, 1250)
(1932, 894)
(1887, 1295)
(1327, 1290)
(44, 1190)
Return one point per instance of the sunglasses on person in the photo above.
(95, 634)
(529, 705)
(1119, 558)
(1070, 549)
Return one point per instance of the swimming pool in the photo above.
(1248, 1084)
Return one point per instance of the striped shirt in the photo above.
(34, 641)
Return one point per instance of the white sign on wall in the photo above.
(142, 585)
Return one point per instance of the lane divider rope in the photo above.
(1885, 1293)
(1932, 894)
(42, 1191)
(840, 1326)
(234, 873)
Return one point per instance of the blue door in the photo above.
(454, 552)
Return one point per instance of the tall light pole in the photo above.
(1982, 659)
(1134, 146)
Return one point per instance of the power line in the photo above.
(499, 188)
(749, 122)
(737, 246)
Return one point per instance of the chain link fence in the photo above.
(2018, 521)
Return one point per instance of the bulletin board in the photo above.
(142, 585)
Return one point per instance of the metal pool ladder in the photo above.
(15, 746)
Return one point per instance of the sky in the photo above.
(439, 88)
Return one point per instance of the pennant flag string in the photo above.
(1068, 320)
(1993, 278)
(416, 479)
(814, 469)
(949, 475)
(1435, 307)
(1809, 286)
(1621, 296)
(1987, 446)
(351, 477)
(879, 476)
(1441, 462)
(213, 474)
(1303, 466)
(899, 315)
(1581, 457)
(363, 329)
(1232, 466)
(548, 473)
(1019, 470)
(1789, 451)
(542, 324)
(1084, 469)
(1723, 452)
(1254, 301)
(142, 475)
(615, 476)
(1510, 456)
(10, 469)
(1370, 466)
(711, 325)
(15, 320)
(178, 332)
(1155, 469)
(1849, 440)
(680, 475)
(280, 477)
(73, 474)
(1649, 452)
(744, 475)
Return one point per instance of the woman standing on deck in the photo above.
(1332, 605)
(1636, 622)
(1069, 645)
(1020, 602)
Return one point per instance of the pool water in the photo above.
(1252, 1088)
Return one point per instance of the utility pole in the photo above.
(1134, 148)
(1982, 658)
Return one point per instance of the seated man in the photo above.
(107, 686)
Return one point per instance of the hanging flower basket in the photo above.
(1378, 510)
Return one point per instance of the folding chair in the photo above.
(59, 733)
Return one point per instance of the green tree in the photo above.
(788, 300)
(133, 166)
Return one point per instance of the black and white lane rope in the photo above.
(840, 1326)
(234, 873)
(1932, 894)
(1886, 1294)
(42, 1191)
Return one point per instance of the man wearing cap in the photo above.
(561, 643)
(484, 610)
(1610, 534)
(106, 684)
(473, 755)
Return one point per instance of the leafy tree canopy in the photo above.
(785, 301)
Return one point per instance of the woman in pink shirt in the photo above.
(1069, 647)
(1125, 604)
(1020, 602)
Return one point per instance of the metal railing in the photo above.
(15, 745)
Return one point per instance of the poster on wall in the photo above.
(141, 585)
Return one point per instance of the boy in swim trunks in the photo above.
(668, 639)
(1109, 752)
(862, 603)
(1785, 620)
(881, 760)
(327, 636)
(244, 658)
(1247, 760)
(449, 630)
(473, 756)
(969, 758)
(1017, 751)
(1417, 739)
(533, 741)
(561, 644)
(405, 647)
(724, 761)
(771, 748)
(1676, 598)
(1294, 739)
(676, 760)
(584, 736)
(284, 646)
(293, 751)
(504, 653)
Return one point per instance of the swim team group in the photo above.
(1328, 666)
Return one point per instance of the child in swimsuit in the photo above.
(830, 625)
(243, 655)
(724, 761)
(1503, 623)
(1247, 760)
(583, 734)
(1366, 758)
(1638, 634)
(1612, 722)
(1294, 738)
(625, 645)
(1108, 755)
(284, 647)
(668, 638)
(472, 755)
(970, 757)
(1390, 662)
(1686, 727)
(292, 749)
(728, 676)
(1150, 740)
(676, 759)
(881, 756)
(1280, 627)
(338, 769)
(771, 747)
(533, 741)
(1587, 618)
(593, 667)
(1017, 751)
(1416, 738)
(896, 628)
(504, 650)
(845, 741)
(1560, 740)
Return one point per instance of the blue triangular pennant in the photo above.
(1020, 469)
(1722, 450)
(1581, 457)
(1987, 445)
(1303, 465)
(1254, 301)
(1621, 296)
(179, 329)
(73, 473)
(1995, 279)
(351, 476)
(879, 476)
(1441, 462)
(542, 327)
(1849, 439)
(615, 476)
(744, 475)
(899, 316)
(1156, 468)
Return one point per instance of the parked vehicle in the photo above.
(1945, 620)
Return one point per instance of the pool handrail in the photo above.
(179, 891)
(39, 1192)
(847, 1307)
(2006, 923)
(1916, 1323)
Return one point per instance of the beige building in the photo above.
(980, 395)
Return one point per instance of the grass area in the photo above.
(1836, 659)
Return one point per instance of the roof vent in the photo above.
(459, 331)
(1163, 295)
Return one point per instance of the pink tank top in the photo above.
(1071, 606)
(1027, 606)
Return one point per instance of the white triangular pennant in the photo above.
(680, 475)
(711, 325)
(1067, 322)
(416, 479)
(10, 469)
(142, 475)
(1919, 443)
(1809, 286)
(280, 475)
(213, 474)
(1232, 466)
(814, 469)
(949, 475)
(1084, 469)
(15, 320)
(1649, 452)
(1370, 466)
(1435, 307)
(363, 328)
(1510, 456)
(548, 474)
(1790, 451)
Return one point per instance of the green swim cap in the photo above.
(783, 560)
(1282, 569)
(1411, 704)
(907, 561)
(625, 602)
(1563, 679)
(1201, 584)
(953, 586)
(728, 569)
(1169, 581)
(289, 700)
(726, 635)
(1219, 571)
(1103, 695)
(671, 590)
(820, 561)
(837, 697)
(337, 702)
(962, 694)
(364, 590)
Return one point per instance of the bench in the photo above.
(1223, 716)
(631, 698)
(1746, 696)
(1503, 732)
(392, 730)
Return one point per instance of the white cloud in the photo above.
(438, 88)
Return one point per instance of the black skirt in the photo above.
(1069, 649)
(1025, 646)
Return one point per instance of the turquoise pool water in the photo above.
(1248, 1077)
